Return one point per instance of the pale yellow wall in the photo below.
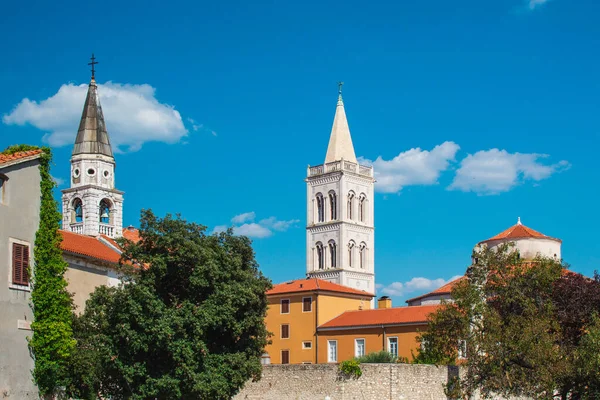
(330, 306)
(82, 281)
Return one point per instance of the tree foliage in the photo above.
(52, 341)
(189, 324)
(526, 325)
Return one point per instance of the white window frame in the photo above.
(309, 297)
(389, 345)
(281, 306)
(304, 347)
(11, 285)
(329, 358)
(364, 347)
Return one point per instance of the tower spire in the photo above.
(92, 136)
(340, 142)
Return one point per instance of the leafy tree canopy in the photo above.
(529, 328)
(188, 324)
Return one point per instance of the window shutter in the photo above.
(285, 357)
(285, 331)
(20, 256)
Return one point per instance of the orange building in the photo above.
(297, 308)
(357, 333)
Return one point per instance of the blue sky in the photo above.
(474, 113)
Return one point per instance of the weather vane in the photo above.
(93, 63)
(340, 84)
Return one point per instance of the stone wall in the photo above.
(378, 381)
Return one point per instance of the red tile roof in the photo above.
(519, 231)
(445, 289)
(314, 284)
(381, 316)
(132, 234)
(6, 158)
(88, 246)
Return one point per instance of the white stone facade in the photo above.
(530, 248)
(340, 237)
(93, 184)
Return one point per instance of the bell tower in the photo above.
(339, 232)
(92, 206)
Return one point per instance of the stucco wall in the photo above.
(19, 220)
(83, 278)
(378, 381)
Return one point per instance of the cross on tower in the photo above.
(340, 84)
(94, 62)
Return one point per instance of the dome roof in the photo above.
(519, 231)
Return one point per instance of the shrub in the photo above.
(381, 357)
(351, 368)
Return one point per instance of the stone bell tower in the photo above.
(92, 206)
(340, 235)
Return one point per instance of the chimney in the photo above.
(384, 302)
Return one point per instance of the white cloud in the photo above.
(418, 284)
(240, 219)
(200, 127)
(243, 224)
(532, 4)
(495, 171)
(412, 167)
(58, 181)
(132, 114)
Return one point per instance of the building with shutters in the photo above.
(19, 219)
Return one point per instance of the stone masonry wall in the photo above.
(378, 382)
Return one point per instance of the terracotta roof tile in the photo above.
(314, 284)
(519, 231)
(381, 316)
(445, 289)
(6, 158)
(88, 246)
(132, 234)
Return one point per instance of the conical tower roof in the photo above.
(519, 231)
(340, 141)
(92, 137)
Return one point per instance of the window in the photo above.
(359, 347)
(320, 255)
(3, 180)
(333, 253)
(105, 211)
(351, 253)
(285, 306)
(307, 345)
(20, 264)
(363, 255)
(306, 304)
(362, 207)
(285, 356)
(320, 208)
(350, 206)
(462, 349)
(77, 210)
(332, 351)
(393, 346)
(285, 331)
(333, 205)
(91, 171)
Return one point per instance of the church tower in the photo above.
(92, 205)
(340, 231)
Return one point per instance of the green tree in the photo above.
(52, 341)
(189, 324)
(521, 339)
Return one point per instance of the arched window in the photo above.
(333, 253)
(362, 207)
(333, 205)
(105, 211)
(363, 255)
(351, 246)
(320, 255)
(350, 205)
(320, 208)
(77, 210)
